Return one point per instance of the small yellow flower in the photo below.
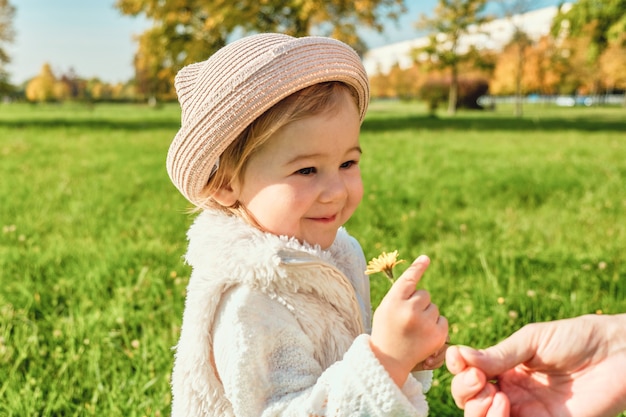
(384, 263)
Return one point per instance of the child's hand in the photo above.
(434, 361)
(407, 327)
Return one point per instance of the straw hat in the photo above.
(221, 96)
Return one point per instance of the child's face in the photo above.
(305, 181)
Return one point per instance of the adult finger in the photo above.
(500, 406)
(517, 348)
(467, 385)
(454, 360)
(406, 284)
(480, 405)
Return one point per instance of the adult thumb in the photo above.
(408, 281)
(497, 359)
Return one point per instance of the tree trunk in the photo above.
(454, 91)
(519, 112)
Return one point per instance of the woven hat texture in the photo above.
(221, 96)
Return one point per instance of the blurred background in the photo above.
(447, 54)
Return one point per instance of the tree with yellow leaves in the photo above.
(513, 10)
(187, 31)
(42, 88)
(586, 30)
(543, 69)
(520, 70)
(613, 62)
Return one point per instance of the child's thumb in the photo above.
(408, 281)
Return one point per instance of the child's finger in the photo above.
(437, 359)
(408, 281)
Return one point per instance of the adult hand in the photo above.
(574, 367)
(407, 327)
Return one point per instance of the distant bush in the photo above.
(435, 91)
(469, 91)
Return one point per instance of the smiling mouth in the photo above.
(328, 219)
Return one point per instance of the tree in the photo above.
(97, 90)
(42, 87)
(187, 31)
(584, 67)
(604, 14)
(380, 85)
(503, 81)
(589, 24)
(613, 63)
(543, 69)
(513, 11)
(76, 87)
(7, 11)
(540, 72)
(154, 71)
(452, 20)
(404, 82)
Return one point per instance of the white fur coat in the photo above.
(275, 328)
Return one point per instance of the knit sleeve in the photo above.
(268, 367)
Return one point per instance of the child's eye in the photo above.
(348, 164)
(306, 171)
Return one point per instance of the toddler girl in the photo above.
(277, 318)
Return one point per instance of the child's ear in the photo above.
(226, 195)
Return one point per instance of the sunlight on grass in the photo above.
(524, 220)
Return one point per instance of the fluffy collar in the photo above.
(239, 250)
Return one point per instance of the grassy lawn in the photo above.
(524, 220)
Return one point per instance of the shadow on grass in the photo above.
(375, 123)
(392, 122)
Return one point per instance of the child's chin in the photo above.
(323, 243)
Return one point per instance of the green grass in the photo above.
(524, 220)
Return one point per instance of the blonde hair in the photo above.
(310, 101)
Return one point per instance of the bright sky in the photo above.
(90, 36)
(94, 39)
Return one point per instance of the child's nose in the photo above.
(334, 188)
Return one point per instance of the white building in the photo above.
(493, 35)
